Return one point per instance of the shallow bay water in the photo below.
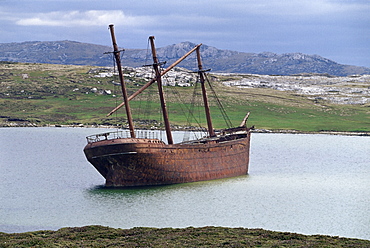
(310, 184)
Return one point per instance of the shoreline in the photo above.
(281, 131)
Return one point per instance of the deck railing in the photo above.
(141, 134)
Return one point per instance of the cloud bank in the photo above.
(84, 18)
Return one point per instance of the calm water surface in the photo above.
(310, 184)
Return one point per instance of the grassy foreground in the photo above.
(42, 94)
(99, 236)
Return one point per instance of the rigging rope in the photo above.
(114, 88)
(221, 107)
(188, 111)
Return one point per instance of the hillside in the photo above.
(267, 63)
(43, 94)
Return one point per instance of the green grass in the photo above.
(57, 94)
(99, 236)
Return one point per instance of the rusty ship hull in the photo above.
(143, 160)
(126, 162)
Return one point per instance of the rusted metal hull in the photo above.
(138, 162)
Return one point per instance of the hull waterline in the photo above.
(127, 162)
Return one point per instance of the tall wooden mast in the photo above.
(154, 79)
(204, 93)
(116, 53)
(160, 89)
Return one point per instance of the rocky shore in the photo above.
(177, 128)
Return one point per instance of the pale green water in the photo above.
(311, 184)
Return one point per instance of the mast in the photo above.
(154, 79)
(123, 86)
(160, 89)
(204, 93)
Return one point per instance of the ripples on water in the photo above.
(311, 184)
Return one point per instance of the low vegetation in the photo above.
(99, 236)
(45, 94)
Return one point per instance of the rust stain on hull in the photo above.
(139, 162)
(143, 161)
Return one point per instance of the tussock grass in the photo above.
(99, 236)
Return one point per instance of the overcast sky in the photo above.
(335, 29)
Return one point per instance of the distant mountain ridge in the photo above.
(77, 53)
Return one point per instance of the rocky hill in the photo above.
(76, 53)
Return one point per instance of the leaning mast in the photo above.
(116, 53)
(211, 132)
(160, 89)
(154, 79)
